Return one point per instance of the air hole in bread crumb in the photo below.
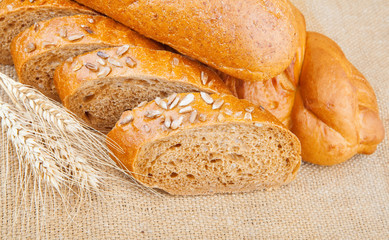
(279, 146)
(88, 97)
(216, 160)
(175, 146)
(173, 174)
(190, 176)
(171, 163)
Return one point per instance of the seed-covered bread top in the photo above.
(17, 15)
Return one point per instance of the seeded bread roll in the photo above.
(40, 49)
(206, 144)
(17, 15)
(249, 39)
(99, 86)
(275, 94)
(335, 115)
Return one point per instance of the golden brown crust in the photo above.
(146, 63)
(19, 12)
(335, 114)
(250, 39)
(276, 94)
(130, 136)
(71, 31)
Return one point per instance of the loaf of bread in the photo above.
(17, 15)
(275, 94)
(206, 144)
(99, 86)
(335, 115)
(249, 39)
(41, 48)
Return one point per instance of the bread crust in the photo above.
(94, 29)
(276, 94)
(12, 7)
(130, 136)
(335, 115)
(254, 40)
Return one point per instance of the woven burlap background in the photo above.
(348, 201)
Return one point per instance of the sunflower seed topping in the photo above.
(153, 114)
(122, 50)
(77, 66)
(75, 37)
(258, 124)
(171, 98)
(188, 99)
(218, 104)
(202, 117)
(115, 62)
(248, 116)
(262, 108)
(161, 103)
(186, 109)
(174, 103)
(30, 47)
(206, 97)
(193, 116)
(92, 67)
(101, 62)
(46, 44)
(102, 54)
(105, 71)
(90, 20)
(126, 120)
(36, 26)
(204, 78)
(69, 60)
(146, 128)
(250, 109)
(176, 61)
(167, 122)
(221, 118)
(130, 62)
(177, 123)
(228, 111)
(142, 104)
(238, 114)
(87, 29)
(63, 32)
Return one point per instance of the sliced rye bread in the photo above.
(206, 144)
(16, 16)
(99, 86)
(40, 49)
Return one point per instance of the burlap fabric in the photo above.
(348, 201)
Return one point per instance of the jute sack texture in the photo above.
(347, 201)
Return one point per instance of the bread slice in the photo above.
(40, 49)
(206, 144)
(100, 89)
(16, 16)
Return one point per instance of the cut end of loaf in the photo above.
(101, 102)
(225, 158)
(11, 24)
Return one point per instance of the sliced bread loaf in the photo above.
(16, 16)
(99, 86)
(206, 144)
(40, 49)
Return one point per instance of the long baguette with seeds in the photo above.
(35, 60)
(16, 16)
(100, 95)
(205, 151)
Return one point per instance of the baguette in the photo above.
(249, 39)
(276, 94)
(105, 86)
(335, 114)
(220, 145)
(16, 16)
(40, 49)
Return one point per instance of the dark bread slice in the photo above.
(16, 16)
(39, 50)
(209, 144)
(104, 87)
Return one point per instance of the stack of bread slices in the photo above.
(202, 97)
